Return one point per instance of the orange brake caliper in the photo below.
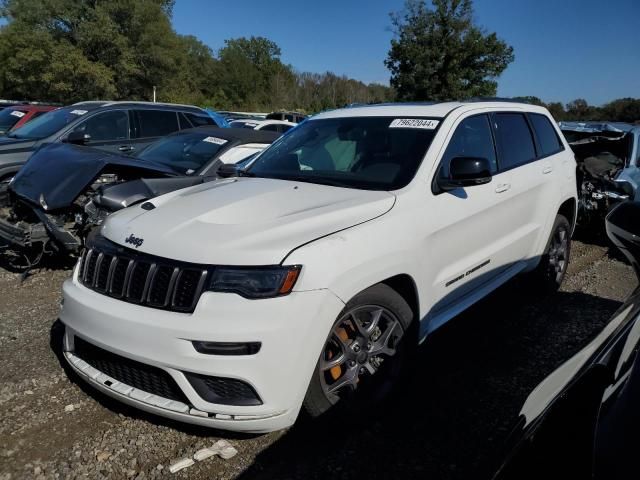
(337, 370)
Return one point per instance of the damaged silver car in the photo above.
(608, 157)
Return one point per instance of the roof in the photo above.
(239, 135)
(260, 123)
(105, 103)
(423, 109)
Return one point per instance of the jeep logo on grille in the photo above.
(133, 240)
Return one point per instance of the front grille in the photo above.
(225, 391)
(141, 278)
(135, 374)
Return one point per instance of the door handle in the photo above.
(126, 148)
(503, 187)
(547, 169)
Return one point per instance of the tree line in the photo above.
(65, 51)
(70, 50)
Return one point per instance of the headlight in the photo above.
(255, 282)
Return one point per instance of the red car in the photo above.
(17, 115)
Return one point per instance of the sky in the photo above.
(564, 49)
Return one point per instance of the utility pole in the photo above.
(154, 94)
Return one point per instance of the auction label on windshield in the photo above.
(216, 140)
(414, 123)
(78, 112)
(17, 113)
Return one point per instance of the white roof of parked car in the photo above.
(262, 123)
(437, 110)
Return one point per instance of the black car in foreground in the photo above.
(583, 420)
(63, 191)
(118, 127)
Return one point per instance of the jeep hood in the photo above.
(243, 221)
(60, 172)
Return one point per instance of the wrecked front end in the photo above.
(606, 174)
(48, 209)
(29, 231)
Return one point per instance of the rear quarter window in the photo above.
(546, 134)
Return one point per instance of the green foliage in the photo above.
(439, 54)
(620, 110)
(70, 50)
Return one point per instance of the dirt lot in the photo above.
(450, 423)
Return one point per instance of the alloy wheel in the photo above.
(359, 350)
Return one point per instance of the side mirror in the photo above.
(227, 170)
(466, 172)
(77, 138)
(623, 228)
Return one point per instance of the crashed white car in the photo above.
(310, 278)
(279, 126)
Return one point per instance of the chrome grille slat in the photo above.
(142, 279)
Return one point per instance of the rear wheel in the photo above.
(365, 352)
(552, 268)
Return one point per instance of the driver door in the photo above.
(466, 246)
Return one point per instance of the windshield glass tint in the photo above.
(185, 153)
(48, 124)
(363, 152)
(9, 117)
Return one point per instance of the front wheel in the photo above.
(552, 268)
(365, 352)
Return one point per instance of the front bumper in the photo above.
(291, 329)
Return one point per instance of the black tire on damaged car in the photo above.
(368, 389)
(550, 272)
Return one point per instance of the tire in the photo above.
(370, 366)
(551, 270)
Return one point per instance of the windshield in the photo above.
(373, 153)
(48, 124)
(186, 153)
(9, 117)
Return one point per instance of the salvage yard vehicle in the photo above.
(279, 126)
(582, 420)
(121, 127)
(12, 118)
(608, 156)
(64, 190)
(310, 278)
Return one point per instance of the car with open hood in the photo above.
(608, 156)
(308, 279)
(64, 190)
(118, 127)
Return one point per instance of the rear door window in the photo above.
(156, 123)
(514, 140)
(546, 134)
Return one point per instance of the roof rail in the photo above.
(495, 99)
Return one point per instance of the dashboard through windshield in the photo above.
(373, 153)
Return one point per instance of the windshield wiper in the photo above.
(246, 173)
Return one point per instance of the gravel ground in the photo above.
(450, 421)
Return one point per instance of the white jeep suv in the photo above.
(307, 280)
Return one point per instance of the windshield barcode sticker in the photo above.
(78, 112)
(18, 114)
(216, 140)
(414, 123)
